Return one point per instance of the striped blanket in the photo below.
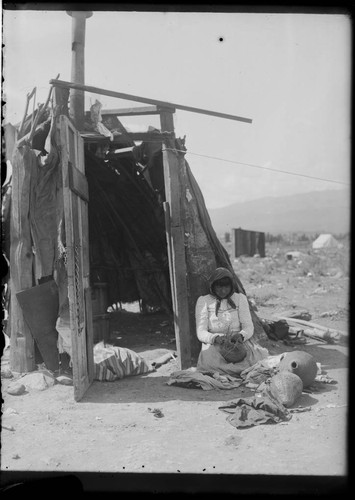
(113, 363)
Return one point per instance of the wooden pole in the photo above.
(136, 111)
(175, 243)
(77, 97)
(146, 100)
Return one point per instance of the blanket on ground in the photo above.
(113, 363)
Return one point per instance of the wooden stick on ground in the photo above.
(315, 337)
(8, 427)
(311, 325)
(329, 333)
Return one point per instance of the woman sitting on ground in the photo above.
(224, 311)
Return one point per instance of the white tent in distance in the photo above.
(326, 241)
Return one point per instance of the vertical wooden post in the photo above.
(21, 260)
(60, 101)
(77, 97)
(234, 243)
(261, 244)
(175, 235)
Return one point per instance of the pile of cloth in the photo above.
(262, 408)
(251, 377)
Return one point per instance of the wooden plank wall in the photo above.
(76, 225)
(21, 259)
(83, 200)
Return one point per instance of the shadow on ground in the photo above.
(149, 389)
(329, 356)
(305, 400)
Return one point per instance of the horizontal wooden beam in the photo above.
(137, 111)
(122, 138)
(130, 97)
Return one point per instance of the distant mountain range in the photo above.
(313, 212)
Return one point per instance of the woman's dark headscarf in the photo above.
(218, 274)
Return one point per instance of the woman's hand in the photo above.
(237, 338)
(218, 340)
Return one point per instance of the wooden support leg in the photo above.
(176, 247)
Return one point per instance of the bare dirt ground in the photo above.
(113, 429)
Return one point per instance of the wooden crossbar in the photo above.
(130, 97)
(136, 111)
(123, 138)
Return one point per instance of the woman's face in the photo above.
(222, 288)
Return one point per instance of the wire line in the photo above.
(257, 166)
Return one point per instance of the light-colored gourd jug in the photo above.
(286, 387)
(302, 364)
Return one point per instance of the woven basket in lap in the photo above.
(233, 352)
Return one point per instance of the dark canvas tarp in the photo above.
(204, 251)
(127, 233)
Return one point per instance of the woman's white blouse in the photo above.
(208, 325)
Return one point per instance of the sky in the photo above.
(289, 72)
